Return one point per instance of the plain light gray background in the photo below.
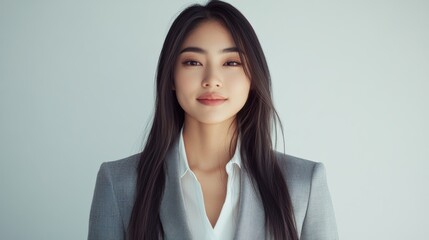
(351, 81)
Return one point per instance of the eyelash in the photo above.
(192, 63)
(196, 63)
(234, 64)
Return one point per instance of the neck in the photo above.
(209, 146)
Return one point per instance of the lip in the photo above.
(211, 99)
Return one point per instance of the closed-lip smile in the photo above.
(211, 99)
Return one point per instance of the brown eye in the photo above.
(192, 63)
(232, 63)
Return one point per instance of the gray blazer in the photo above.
(115, 191)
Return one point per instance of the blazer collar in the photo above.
(172, 212)
(251, 219)
(251, 215)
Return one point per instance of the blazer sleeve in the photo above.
(319, 222)
(105, 222)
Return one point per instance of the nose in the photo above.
(211, 79)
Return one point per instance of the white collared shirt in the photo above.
(198, 222)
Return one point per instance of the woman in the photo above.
(208, 169)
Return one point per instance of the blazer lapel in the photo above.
(172, 212)
(251, 214)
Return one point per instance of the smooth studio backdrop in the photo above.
(351, 84)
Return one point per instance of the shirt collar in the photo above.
(183, 161)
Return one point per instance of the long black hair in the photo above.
(255, 122)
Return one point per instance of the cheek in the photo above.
(241, 84)
(183, 86)
(187, 79)
(180, 81)
(244, 93)
(239, 75)
(186, 86)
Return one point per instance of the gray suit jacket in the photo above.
(115, 191)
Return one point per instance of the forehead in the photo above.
(209, 34)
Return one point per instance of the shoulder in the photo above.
(113, 198)
(297, 169)
(121, 175)
(308, 189)
(124, 164)
(300, 173)
(122, 170)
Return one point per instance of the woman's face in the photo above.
(209, 79)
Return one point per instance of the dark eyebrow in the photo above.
(193, 49)
(232, 49)
(200, 50)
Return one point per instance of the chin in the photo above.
(216, 120)
(207, 119)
